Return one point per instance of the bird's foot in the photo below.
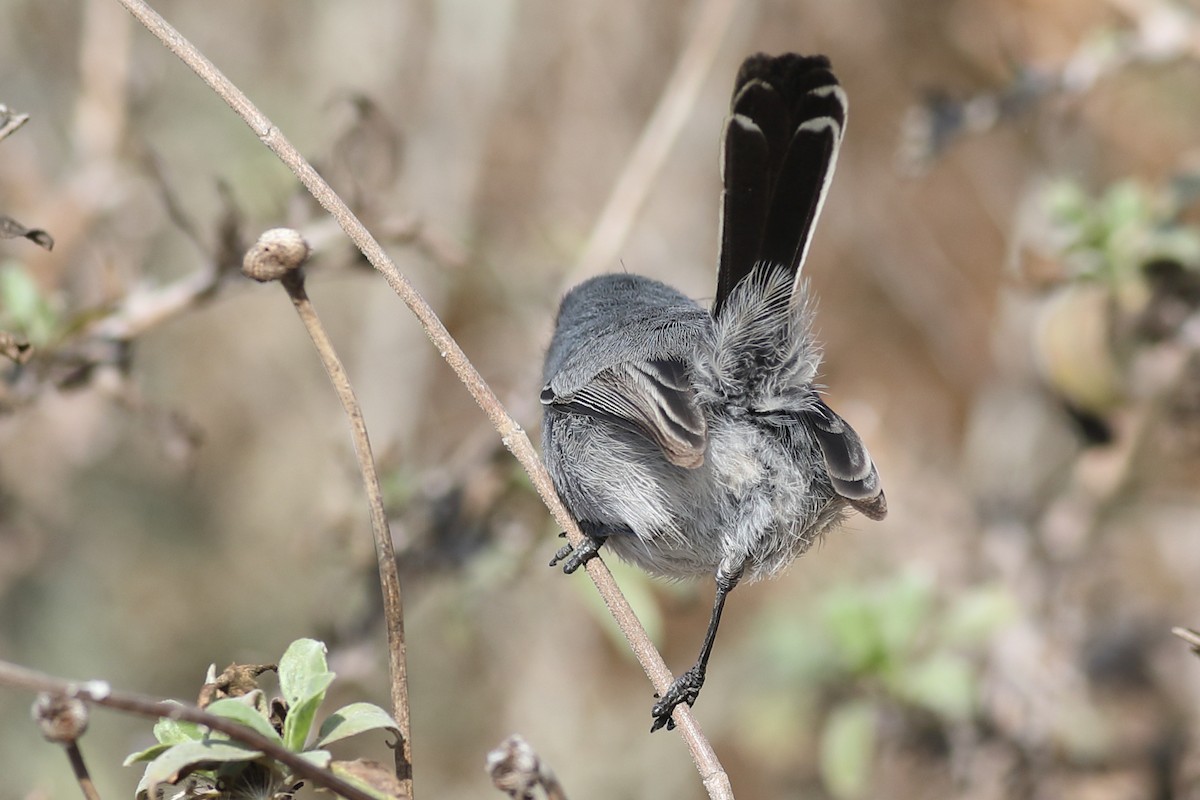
(685, 689)
(572, 558)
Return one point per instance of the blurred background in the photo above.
(1007, 274)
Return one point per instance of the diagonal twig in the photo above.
(10, 122)
(713, 775)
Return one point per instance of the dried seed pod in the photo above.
(60, 718)
(276, 253)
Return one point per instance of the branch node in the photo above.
(61, 718)
(277, 252)
(517, 770)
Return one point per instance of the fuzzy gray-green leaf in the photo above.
(303, 661)
(191, 755)
(354, 719)
(236, 710)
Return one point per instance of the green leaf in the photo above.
(300, 715)
(149, 754)
(847, 750)
(234, 709)
(903, 608)
(1065, 201)
(854, 629)
(795, 651)
(177, 731)
(300, 665)
(303, 678)
(193, 755)
(354, 719)
(977, 614)
(168, 732)
(943, 683)
(1124, 204)
(22, 305)
(19, 295)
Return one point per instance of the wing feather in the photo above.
(850, 467)
(655, 397)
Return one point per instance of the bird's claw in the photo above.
(572, 558)
(685, 689)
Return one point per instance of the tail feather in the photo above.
(780, 148)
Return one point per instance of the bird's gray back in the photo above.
(617, 318)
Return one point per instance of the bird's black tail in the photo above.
(780, 148)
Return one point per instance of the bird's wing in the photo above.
(850, 467)
(654, 397)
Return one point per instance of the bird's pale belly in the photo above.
(741, 511)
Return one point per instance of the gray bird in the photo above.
(694, 441)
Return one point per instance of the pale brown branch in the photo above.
(280, 254)
(389, 574)
(79, 768)
(711, 772)
(1191, 637)
(102, 102)
(144, 308)
(63, 720)
(10, 123)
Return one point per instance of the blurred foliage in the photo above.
(847, 748)
(1125, 267)
(24, 309)
(896, 643)
(1109, 236)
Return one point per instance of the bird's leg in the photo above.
(594, 536)
(686, 687)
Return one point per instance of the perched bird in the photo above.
(694, 441)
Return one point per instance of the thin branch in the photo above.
(1191, 637)
(86, 785)
(280, 254)
(102, 100)
(658, 138)
(63, 720)
(713, 775)
(10, 123)
(144, 308)
(99, 693)
(171, 201)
